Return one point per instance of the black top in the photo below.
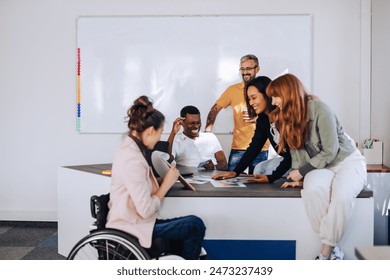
(262, 133)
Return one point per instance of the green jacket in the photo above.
(327, 143)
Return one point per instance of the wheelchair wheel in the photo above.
(108, 244)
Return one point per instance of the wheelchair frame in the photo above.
(110, 244)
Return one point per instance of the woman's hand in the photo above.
(172, 175)
(169, 179)
(224, 175)
(295, 175)
(259, 178)
(292, 184)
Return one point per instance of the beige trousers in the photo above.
(329, 196)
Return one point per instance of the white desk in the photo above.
(262, 212)
(373, 253)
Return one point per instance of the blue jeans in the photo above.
(189, 230)
(236, 155)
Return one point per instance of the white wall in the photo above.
(38, 84)
(380, 105)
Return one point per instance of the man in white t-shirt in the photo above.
(194, 148)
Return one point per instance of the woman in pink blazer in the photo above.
(136, 195)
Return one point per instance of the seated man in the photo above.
(194, 148)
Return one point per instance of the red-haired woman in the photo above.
(324, 157)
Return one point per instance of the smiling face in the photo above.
(256, 100)
(191, 125)
(248, 70)
(277, 101)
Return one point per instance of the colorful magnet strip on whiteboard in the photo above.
(78, 91)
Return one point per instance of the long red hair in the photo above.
(292, 118)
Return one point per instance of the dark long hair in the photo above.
(261, 84)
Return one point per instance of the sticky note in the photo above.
(106, 172)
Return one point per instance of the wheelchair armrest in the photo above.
(99, 209)
(92, 205)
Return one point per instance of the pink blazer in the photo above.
(133, 206)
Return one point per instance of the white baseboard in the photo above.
(28, 215)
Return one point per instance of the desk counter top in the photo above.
(98, 168)
(373, 253)
(377, 168)
(207, 190)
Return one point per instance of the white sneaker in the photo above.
(337, 254)
(320, 257)
(169, 257)
(203, 254)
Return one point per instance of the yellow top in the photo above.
(242, 131)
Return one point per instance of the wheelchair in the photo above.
(111, 244)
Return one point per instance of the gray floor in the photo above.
(29, 241)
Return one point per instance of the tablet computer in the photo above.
(161, 165)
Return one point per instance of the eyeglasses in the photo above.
(247, 69)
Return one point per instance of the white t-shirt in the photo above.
(191, 152)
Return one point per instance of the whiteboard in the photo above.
(179, 61)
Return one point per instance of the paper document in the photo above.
(229, 183)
